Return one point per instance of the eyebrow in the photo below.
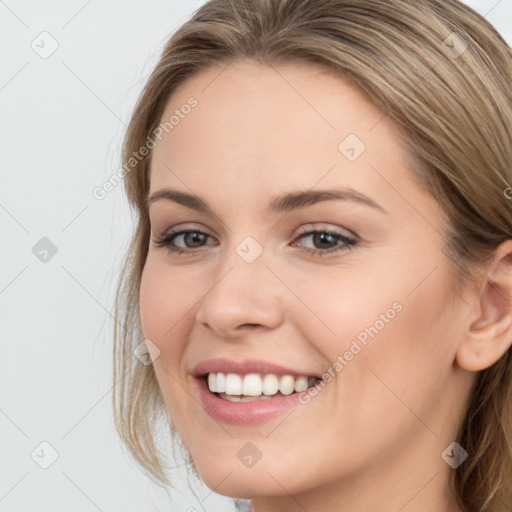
(285, 203)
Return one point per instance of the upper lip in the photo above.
(245, 366)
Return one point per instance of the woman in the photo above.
(322, 265)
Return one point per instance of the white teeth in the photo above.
(238, 398)
(233, 384)
(220, 383)
(286, 384)
(212, 382)
(301, 384)
(270, 384)
(253, 387)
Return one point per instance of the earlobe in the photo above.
(489, 335)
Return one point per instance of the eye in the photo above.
(192, 239)
(182, 242)
(327, 242)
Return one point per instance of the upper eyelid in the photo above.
(310, 226)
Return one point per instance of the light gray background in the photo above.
(63, 119)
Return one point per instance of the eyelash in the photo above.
(348, 243)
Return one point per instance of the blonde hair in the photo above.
(452, 105)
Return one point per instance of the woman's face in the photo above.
(309, 248)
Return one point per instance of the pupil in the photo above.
(194, 238)
(324, 238)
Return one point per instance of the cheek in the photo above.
(340, 306)
(386, 340)
(153, 303)
(165, 298)
(403, 369)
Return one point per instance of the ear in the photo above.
(489, 329)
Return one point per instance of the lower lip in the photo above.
(244, 413)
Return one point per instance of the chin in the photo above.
(227, 475)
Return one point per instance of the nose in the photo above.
(242, 297)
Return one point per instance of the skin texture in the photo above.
(372, 438)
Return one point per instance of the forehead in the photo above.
(258, 127)
(269, 101)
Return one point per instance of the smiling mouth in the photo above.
(255, 386)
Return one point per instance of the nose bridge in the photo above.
(244, 292)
